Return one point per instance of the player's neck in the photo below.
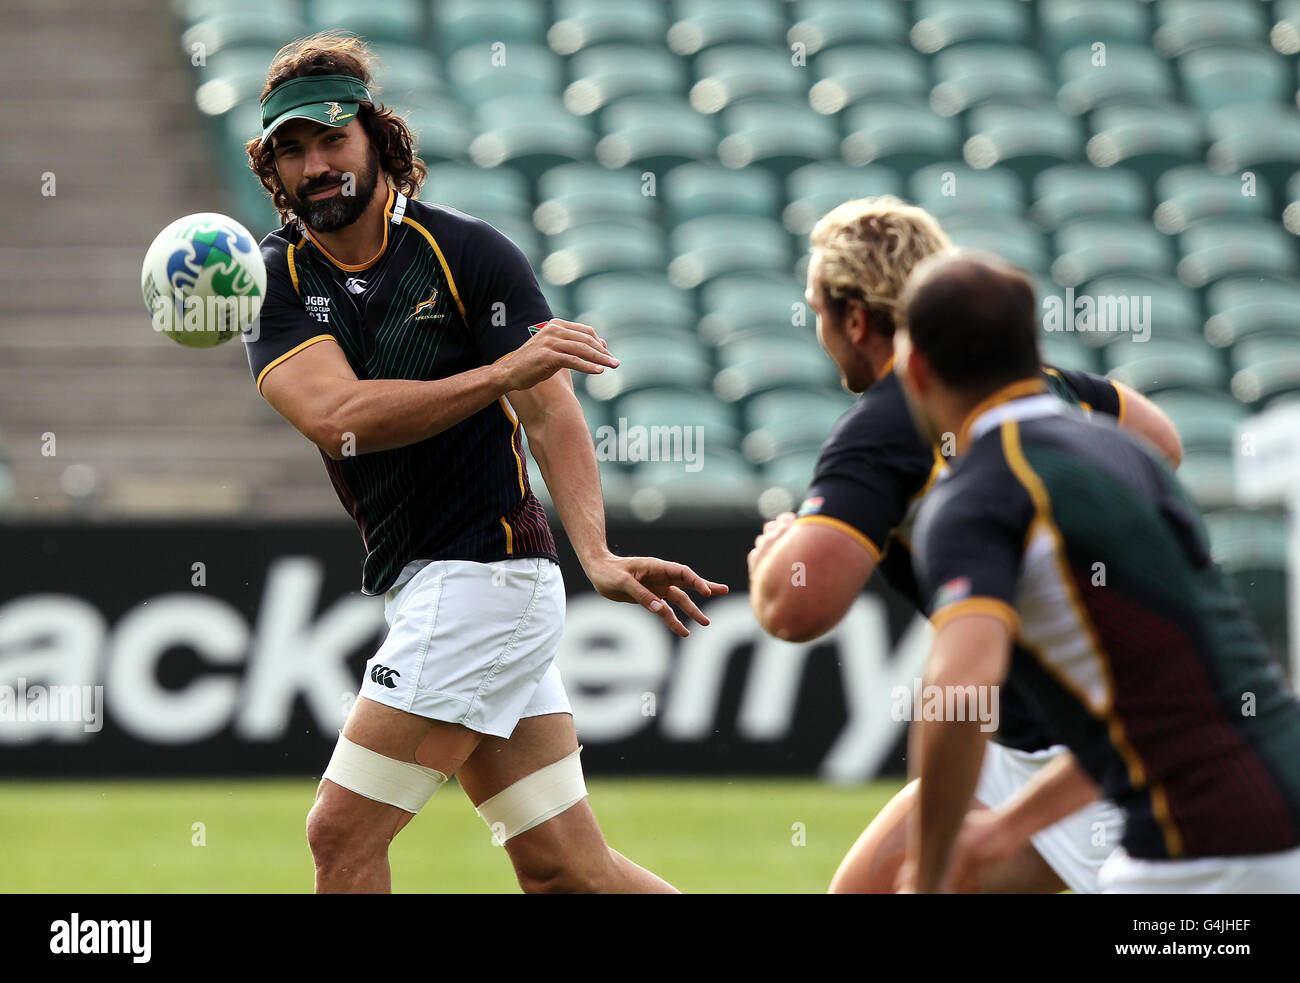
(359, 243)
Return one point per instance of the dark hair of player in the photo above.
(332, 53)
(975, 319)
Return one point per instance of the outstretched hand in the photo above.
(654, 584)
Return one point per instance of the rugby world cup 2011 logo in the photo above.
(216, 248)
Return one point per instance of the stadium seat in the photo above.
(952, 188)
(788, 475)
(1265, 368)
(784, 421)
(1132, 74)
(1205, 421)
(1218, 77)
(649, 362)
(1291, 210)
(268, 28)
(814, 189)
(1008, 236)
(604, 247)
(1164, 363)
(848, 76)
(1219, 247)
(1247, 307)
(476, 75)
(1208, 479)
(620, 305)
(406, 75)
(711, 246)
(1251, 548)
(940, 23)
(692, 190)
(655, 134)
(1148, 139)
(724, 481)
(582, 23)
(974, 74)
(600, 75)
(1065, 24)
(474, 190)
(532, 133)
(905, 136)
(1184, 26)
(1285, 33)
(575, 194)
(1066, 351)
(1261, 138)
(1167, 307)
(731, 73)
(1027, 139)
(749, 366)
(822, 24)
(232, 77)
(376, 20)
(442, 130)
(1093, 247)
(676, 408)
(1188, 194)
(190, 12)
(1076, 191)
(747, 306)
(704, 23)
(460, 23)
(780, 136)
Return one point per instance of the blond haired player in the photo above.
(872, 474)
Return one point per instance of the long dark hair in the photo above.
(332, 53)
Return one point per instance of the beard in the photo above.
(332, 214)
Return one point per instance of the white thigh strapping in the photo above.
(535, 798)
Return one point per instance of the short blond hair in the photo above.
(869, 247)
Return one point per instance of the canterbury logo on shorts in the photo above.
(384, 676)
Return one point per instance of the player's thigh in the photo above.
(496, 764)
(872, 863)
(340, 812)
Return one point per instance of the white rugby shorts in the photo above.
(472, 643)
(1076, 846)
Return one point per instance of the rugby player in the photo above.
(873, 471)
(391, 334)
(1065, 533)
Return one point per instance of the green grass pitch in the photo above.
(703, 835)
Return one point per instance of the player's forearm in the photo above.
(562, 445)
(1057, 790)
(381, 414)
(951, 753)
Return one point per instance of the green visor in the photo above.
(329, 99)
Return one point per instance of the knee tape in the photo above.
(376, 776)
(535, 798)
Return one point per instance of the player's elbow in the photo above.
(791, 619)
(334, 438)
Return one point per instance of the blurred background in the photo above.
(170, 539)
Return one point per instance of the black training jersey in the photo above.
(1132, 644)
(874, 471)
(447, 293)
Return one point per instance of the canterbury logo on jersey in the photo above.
(354, 285)
(384, 676)
(424, 309)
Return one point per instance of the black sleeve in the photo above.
(1092, 392)
(503, 303)
(970, 539)
(283, 324)
(870, 467)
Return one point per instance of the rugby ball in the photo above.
(203, 280)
